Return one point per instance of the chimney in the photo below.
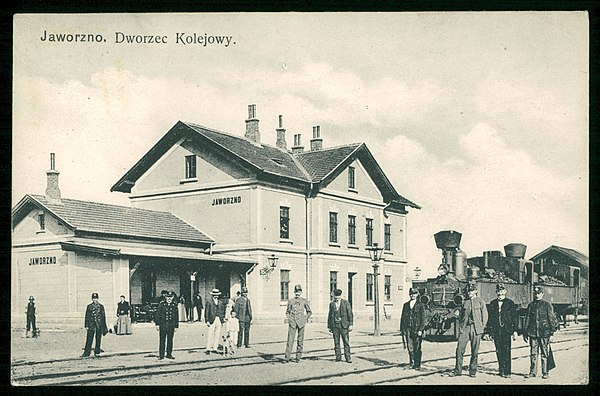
(281, 135)
(297, 147)
(52, 190)
(316, 143)
(252, 132)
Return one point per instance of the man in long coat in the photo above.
(297, 312)
(243, 311)
(412, 325)
(540, 325)
(339, 322)
(472, 319)
(167, 322)
(502, 324)
(95, 324)
(214, 314)
(198, 305)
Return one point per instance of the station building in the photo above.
(216, 210)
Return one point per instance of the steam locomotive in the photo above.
(444, 294)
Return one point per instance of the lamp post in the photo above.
(267, 269)
(375, 254)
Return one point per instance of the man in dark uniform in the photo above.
(30, 312)
(502, 324)
(95, 324)
(198, 305)
(412, 325)
(243, 311)
(167, 321)
(472, 319)
(298, 311)
(540, 325)
(339, 322)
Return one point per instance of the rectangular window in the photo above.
(190, 166)
(387, 288)
(369, 232)
(369, 287)
(333, 227)
(284, 222)
(333, 283)
(42, 221)
(351, 180)
(284, 287)
(351, 230)
(388, 237)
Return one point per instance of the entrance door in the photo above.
(223, 282)
(350, 275)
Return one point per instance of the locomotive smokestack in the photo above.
(515, 250)
(449, 243)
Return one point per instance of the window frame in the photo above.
(284, 220)
(352, 178)
(370, 287)
(333, 282)
(191, 167)
(284, 285)
(387, 236)
(352, 230)
(41, 218)
(333, 228)
(369, 231)
(387, 288)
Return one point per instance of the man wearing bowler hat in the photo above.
(502, 325)
(339, 323)
(412, 325)
(472, 319)
(243, 311)
(167, 322)
(30, 312)
(95, 324)
(298, 311)
(540, 325)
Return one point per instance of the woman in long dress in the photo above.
(182, 310)
(123, 319)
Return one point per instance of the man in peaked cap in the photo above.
(412, 325)
(30, 312)
(167, 322)
(540, 325)
(502, 325)
(243, 311)
(214, 315)
(95, 324)
(298, 311)
(472, 319)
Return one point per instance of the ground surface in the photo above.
(53, 359)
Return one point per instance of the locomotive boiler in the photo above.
(443, 295)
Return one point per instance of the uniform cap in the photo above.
(412, 290)
(244, 290)
(337, 292)
(169, 294)
(215, 292)
(297, 288)
(471, 287)
(538, 289)
(500, 286)
(94, 295)
(31, 298)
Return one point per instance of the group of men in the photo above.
(499, 320)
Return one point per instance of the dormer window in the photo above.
(42, 221)
(278, 161)
(190, 166)
(351, 178)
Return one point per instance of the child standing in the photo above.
(233, 327)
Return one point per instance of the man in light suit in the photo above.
(472, 319)
(298, 311)
(339, 323)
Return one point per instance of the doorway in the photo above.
(350, 288)
(223, 282)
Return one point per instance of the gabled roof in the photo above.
(573, 254)
(317, 167)
(95, 217)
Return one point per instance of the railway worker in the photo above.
(472, 319)
(95, 324)
(214, 315)
(298, 311)
(540, 325)
(412, 325)
(167, 322)
(502, 325)
(30, 312)
(339, 323)
(243, 311)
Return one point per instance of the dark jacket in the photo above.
(346, 316)
(540, 320)
(167, 315)
(213, 310)
(474, 305)
(122, 308)
(198, 301)
(413, 320)
(243, 309)
(503, 320)
(30, 309)
(95, 318)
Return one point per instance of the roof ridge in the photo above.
(329, 148)
(106, 204)
(217, 131)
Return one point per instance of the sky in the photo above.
(480, 118)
